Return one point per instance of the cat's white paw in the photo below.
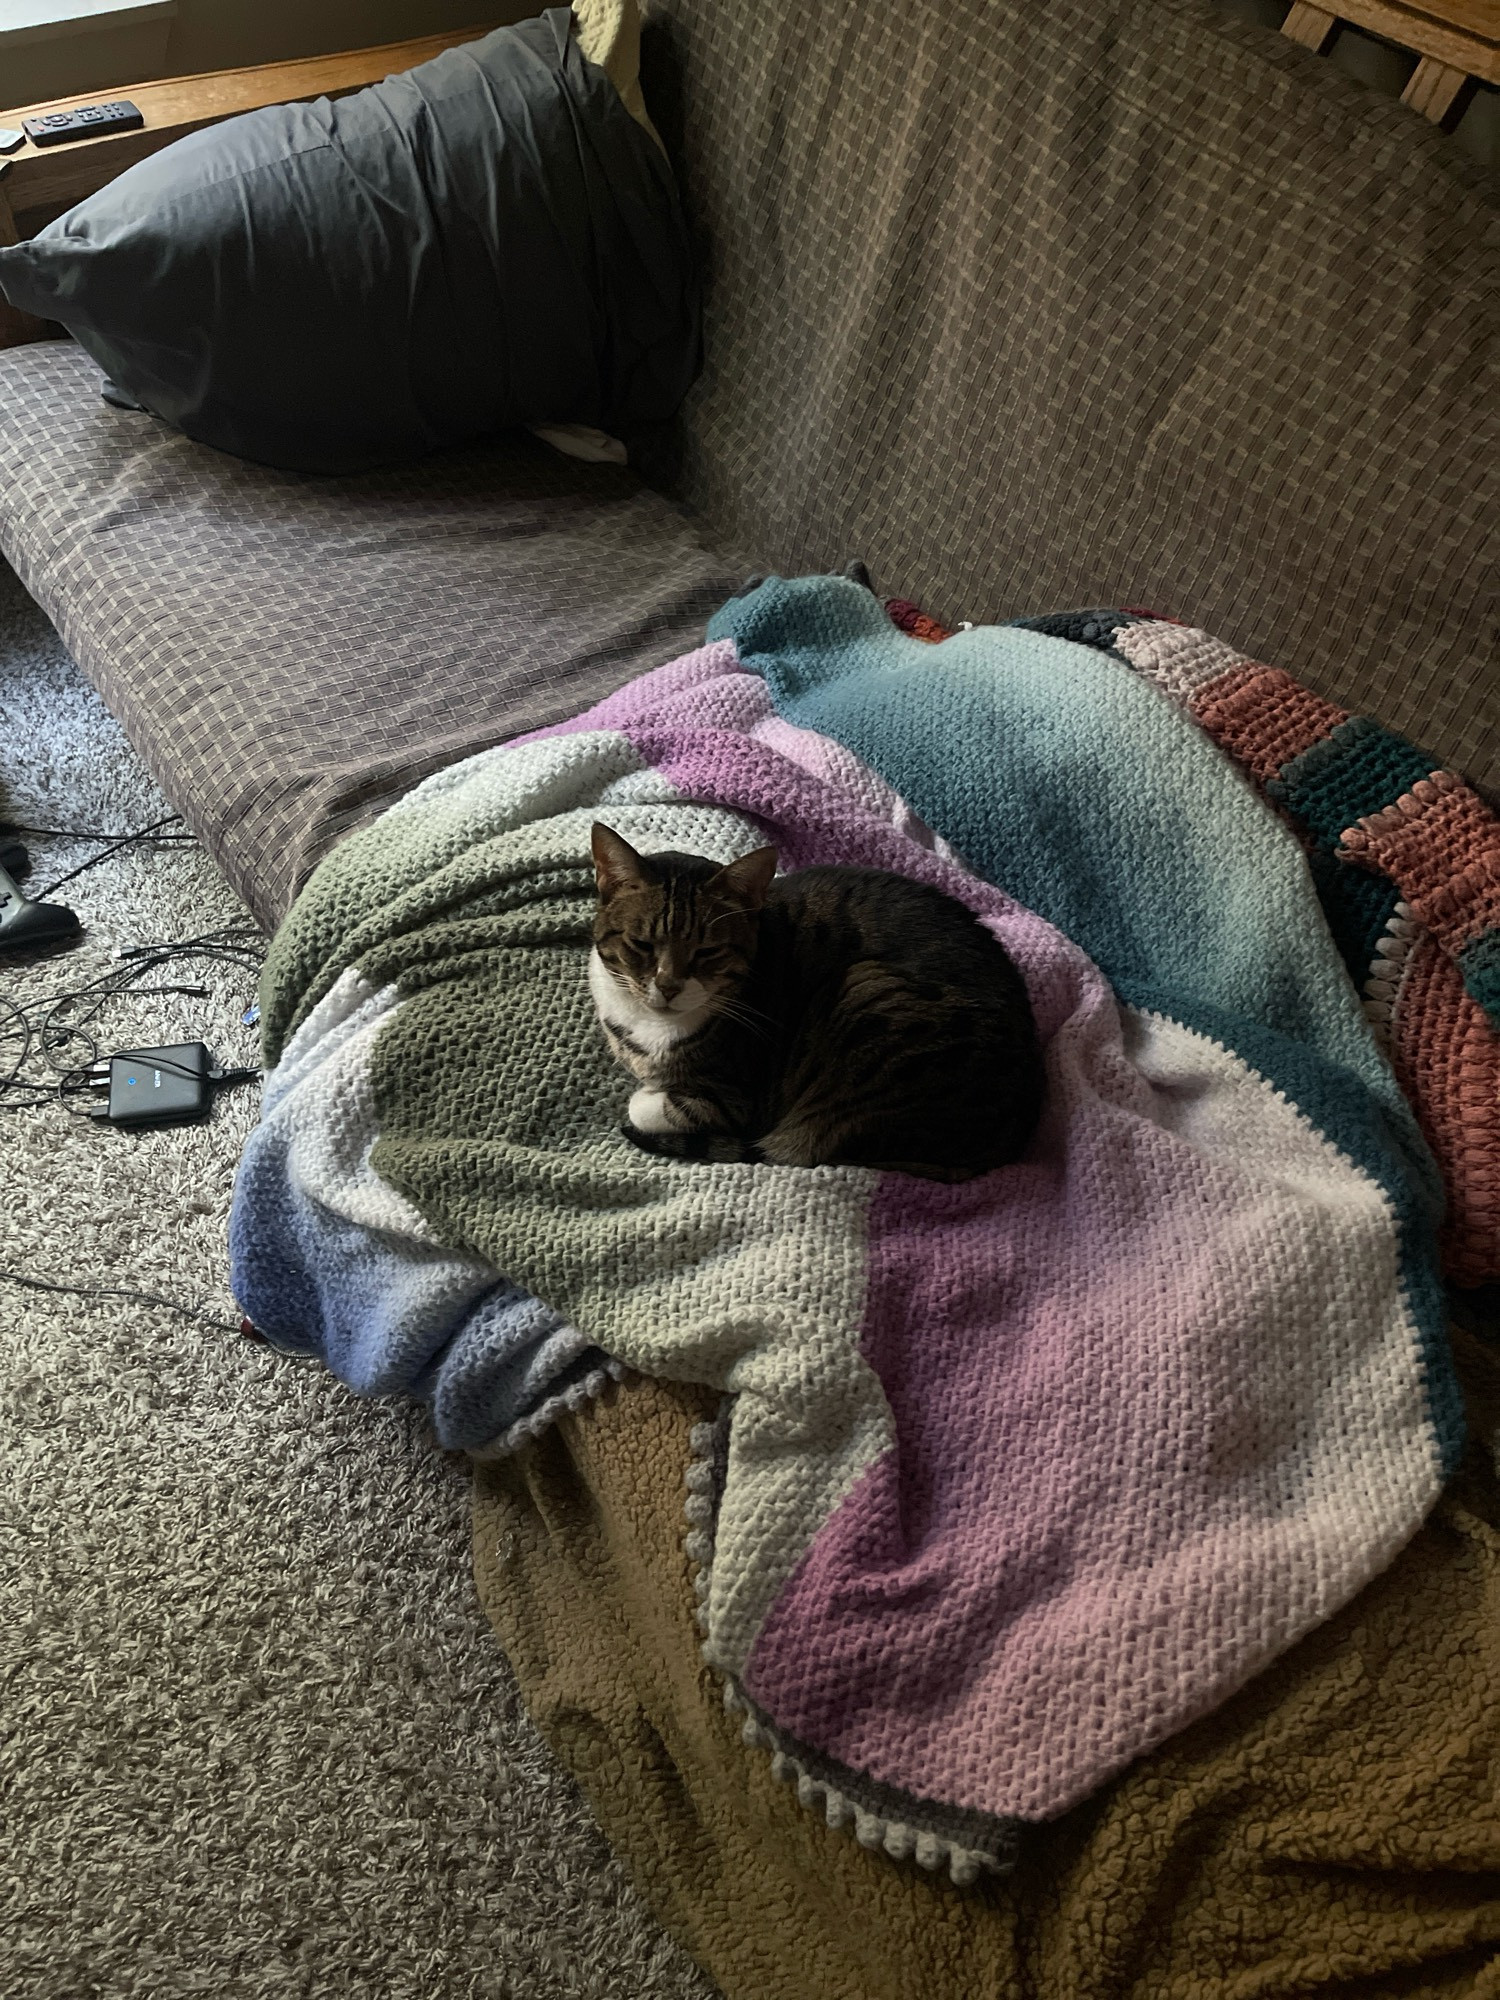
(650, 1111)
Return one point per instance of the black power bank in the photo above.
(159, 1086)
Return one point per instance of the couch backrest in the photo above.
(1099, 302)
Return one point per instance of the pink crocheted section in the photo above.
(1447, 1060)
(1440, 844)
(1263, 718)
(1177, 658)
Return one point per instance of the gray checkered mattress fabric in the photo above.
(290, 654)
(1029, 307)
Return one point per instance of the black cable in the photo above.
(18, 1013)
(51, 1036)
(119, 1292)
(37, 1027)
(224, 938)
(114, 843)
(92, 833)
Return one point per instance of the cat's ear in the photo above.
(748, 879)
(616, 863)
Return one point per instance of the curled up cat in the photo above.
(834, 1016)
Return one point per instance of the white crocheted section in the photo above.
(1388, 973)
(332, 1129)
(1178, 658)
(896, 1837)
(699, 1509)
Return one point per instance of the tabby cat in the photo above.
(836, 1016)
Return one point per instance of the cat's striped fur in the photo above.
(837, 1016)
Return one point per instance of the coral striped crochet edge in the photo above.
(1406, 860)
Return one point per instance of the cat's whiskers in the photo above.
(742, 1012)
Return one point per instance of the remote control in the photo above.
(23, 923)
(85, 121)
(10, 138)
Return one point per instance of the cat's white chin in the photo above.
(652, 1029)
(691, 1000)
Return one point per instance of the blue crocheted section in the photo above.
(1063, 776)
(1356, 769)
(1479, 962)
(390, 1313)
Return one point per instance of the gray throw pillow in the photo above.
(489, 239)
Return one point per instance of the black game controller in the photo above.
(23, 923)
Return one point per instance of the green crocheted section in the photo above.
(1358, 905)
(383, 896)
(1479, 962)
(498, 1113)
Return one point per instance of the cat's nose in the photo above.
(668, 988)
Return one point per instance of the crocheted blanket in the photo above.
(1012, 1479)
(1405, 857)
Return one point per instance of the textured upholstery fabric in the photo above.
(290, 654)
(1031, 306)
(1100, 304)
